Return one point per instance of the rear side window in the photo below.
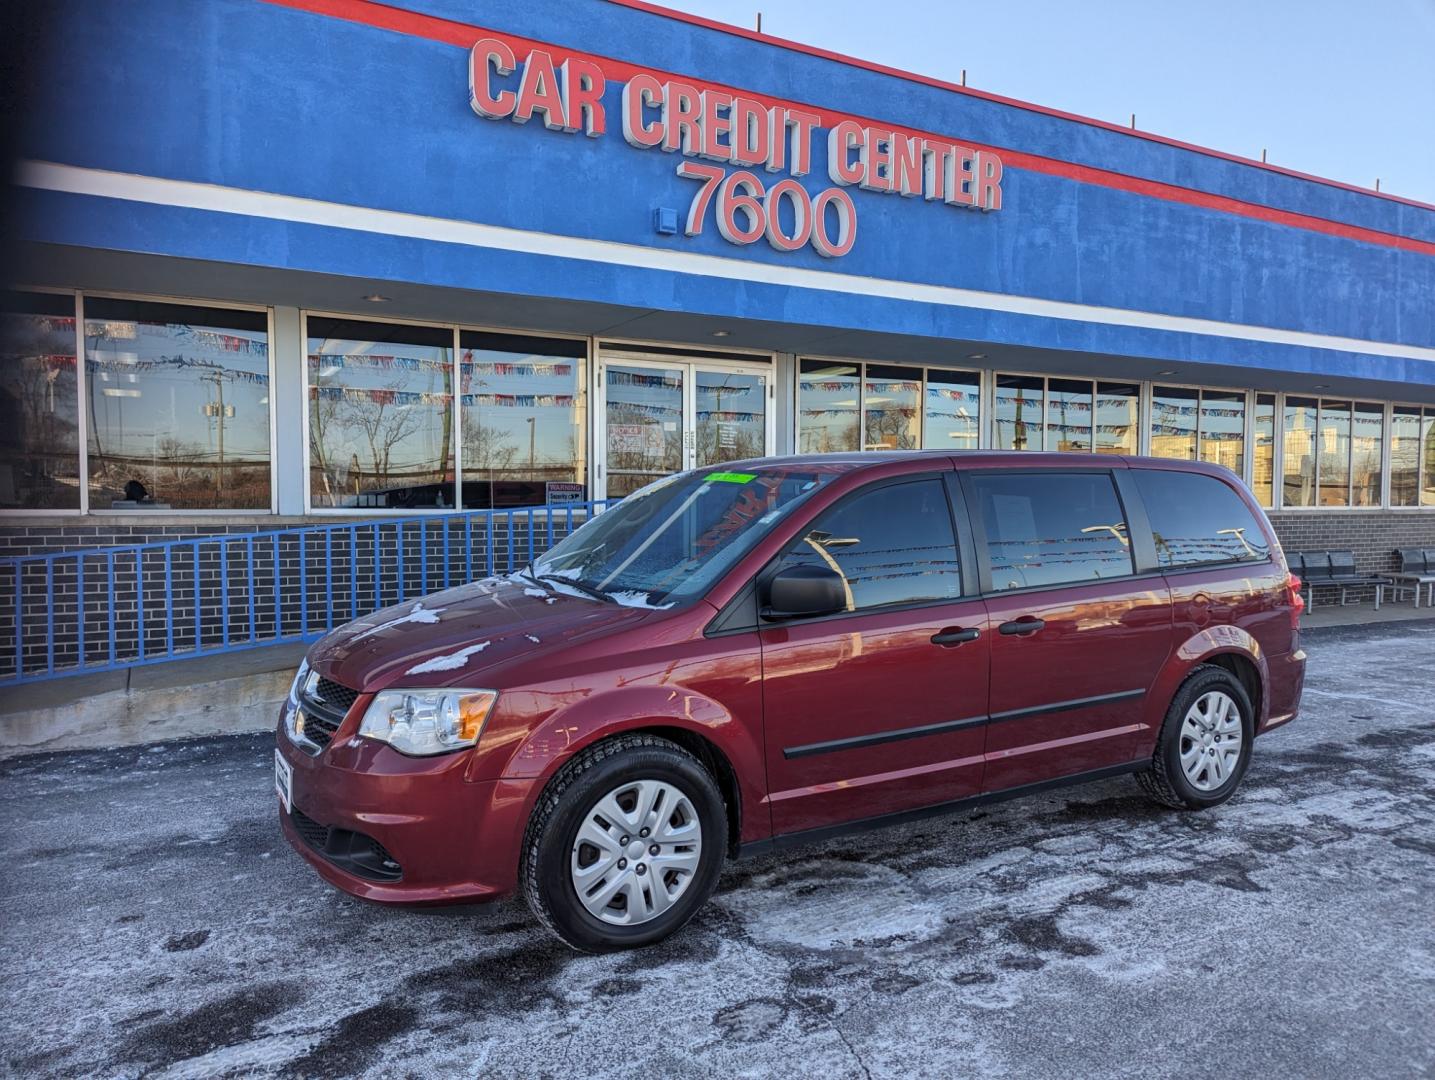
(1198, 519)
(1052, 528)
(892, 544)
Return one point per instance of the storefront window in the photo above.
(1365, 448)
(892, 402)
(828, 417)
(1263, 436)
(1117, 418)
(1223, 428)
(522, 421)
(953, 412)
(1019, 401)
(1427, 466)
(1068, 415)
(1333, 454)
(39, 417)
(380, 415)
(178, 406)
(1405, 455)
(1174, 418)
(1298, 450)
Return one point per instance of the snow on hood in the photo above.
(473, 628)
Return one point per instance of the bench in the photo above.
(1417, 570)
(1334, 570)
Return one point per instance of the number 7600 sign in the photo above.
(746, 211)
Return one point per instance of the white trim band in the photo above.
(188, 194)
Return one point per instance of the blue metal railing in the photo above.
(99, 609)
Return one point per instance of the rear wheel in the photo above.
(1205, 742)
(625, 844)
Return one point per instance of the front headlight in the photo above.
(299, 677)
(426, 722)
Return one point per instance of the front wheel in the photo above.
(1205, 742)
(625, 845)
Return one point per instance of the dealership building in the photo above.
(323, 260)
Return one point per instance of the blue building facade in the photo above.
(317, 258)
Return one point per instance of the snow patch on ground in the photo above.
(449, 661)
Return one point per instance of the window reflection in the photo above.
(1052, 528)
(827, 406)
(1298, 449)
(1117, 417)
(1333, 454)
(1427, 466)
(1366, 441)
(1405, 455)
(892, 544)
(39, 431)
(1019, 400)
(892, 403)
(178, 406)
(952, 419)
(1173, 422)
(1198, 519)
(731, 416)
(1068, 415)
(380, 414)
(1223, 428)
(644, 413)
(522, 420)
(1263, 435)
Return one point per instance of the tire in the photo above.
(1211, 771)
(567, 841)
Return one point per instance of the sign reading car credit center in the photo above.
(716, 124)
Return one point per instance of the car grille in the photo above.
(360, 855)
(324, 710)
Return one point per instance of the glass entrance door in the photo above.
(644, 412)
(663, 416)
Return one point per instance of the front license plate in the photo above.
(284, 781)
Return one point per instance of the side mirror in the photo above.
(801, 591)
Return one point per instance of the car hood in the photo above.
(458, 637)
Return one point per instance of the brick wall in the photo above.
(1372, 534)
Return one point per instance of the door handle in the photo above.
(956, 636)
(1025, 625)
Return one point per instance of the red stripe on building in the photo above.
(448, 31)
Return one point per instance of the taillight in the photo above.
(1297, 601)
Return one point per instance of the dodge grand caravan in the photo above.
(774, 651)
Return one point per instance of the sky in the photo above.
(1340, 89)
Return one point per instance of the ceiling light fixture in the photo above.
(375, 298)
(722, 333)
(1168, 371)
(976, 356)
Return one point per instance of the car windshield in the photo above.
(667, 543)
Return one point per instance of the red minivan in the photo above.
(775, 651)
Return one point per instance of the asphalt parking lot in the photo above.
(156, 924)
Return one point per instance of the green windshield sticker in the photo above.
(730, 477)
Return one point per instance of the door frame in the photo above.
(689, 364)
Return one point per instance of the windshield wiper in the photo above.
(590, 590)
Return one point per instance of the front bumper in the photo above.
(453, 841)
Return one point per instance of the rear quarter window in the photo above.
(1198, 520)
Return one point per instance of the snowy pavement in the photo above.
(156, 924)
